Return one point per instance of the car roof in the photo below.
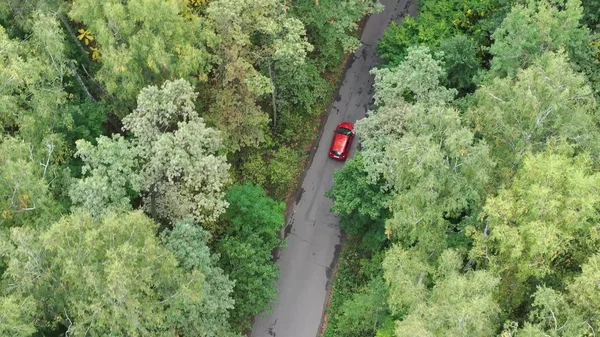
(339, 142)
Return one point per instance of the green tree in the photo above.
(252, 34)
(552, 315)
(144, 42)
(21, 12)
(173, 159)
(331, 27)
(461, 63)
(457, 304)
(439, 174)
(441, 20)
(361, 203)
(529, 31)
(108, 277)
(416, 79)
(25, 198)
(573, 312)
(17, 316)
(182, 168)
(253, 221)
(188, 243)
(33, 73)
(591, 10)
(365, 311)
(543, 226)
(584, 291)
(519, 113)
(111, 175)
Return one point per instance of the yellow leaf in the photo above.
(388, 233)
(23, 200)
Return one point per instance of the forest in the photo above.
(472, 207)
(148, 149)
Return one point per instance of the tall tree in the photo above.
(173, 159)
(529, 31)
(416, 79)
(108, 277)
(17, 316)
(461, 62)
(439, 174)
(252, 35)
(361, 203)
(519, 113)
(144, 42)
(32, 98)
(543, 226)
(188, 243)
(25, 198)
(457, 304)
(111, 175)
(21, 13)
(584, 292)
(331, 26)
(253, 221)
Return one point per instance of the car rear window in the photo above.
(336, 153)
(344, 131)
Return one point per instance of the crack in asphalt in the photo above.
(296, 235)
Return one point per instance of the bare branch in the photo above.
(592, 328)
(496, 98)
(50, 149)
(555, 322)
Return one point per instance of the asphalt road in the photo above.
(313, 233)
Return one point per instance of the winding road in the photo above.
(313, 233)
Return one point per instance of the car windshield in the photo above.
(344, 131)
(336, 153)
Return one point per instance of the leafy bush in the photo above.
(253, 221)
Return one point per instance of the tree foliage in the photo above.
(331, 26)
(25, 198)
(32, 97)
(189, 244)
(416, 79)
(108, 277)
(520, 113)
(253, 221)
(173, 159)
(440, 301)
(441, 20)
(530, 31)
(493, 227)
(543, 226)
(362, 204)
(439, 173)
(461, 61)
(252, 34)
(144, 42)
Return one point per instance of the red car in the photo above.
(342, 140)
